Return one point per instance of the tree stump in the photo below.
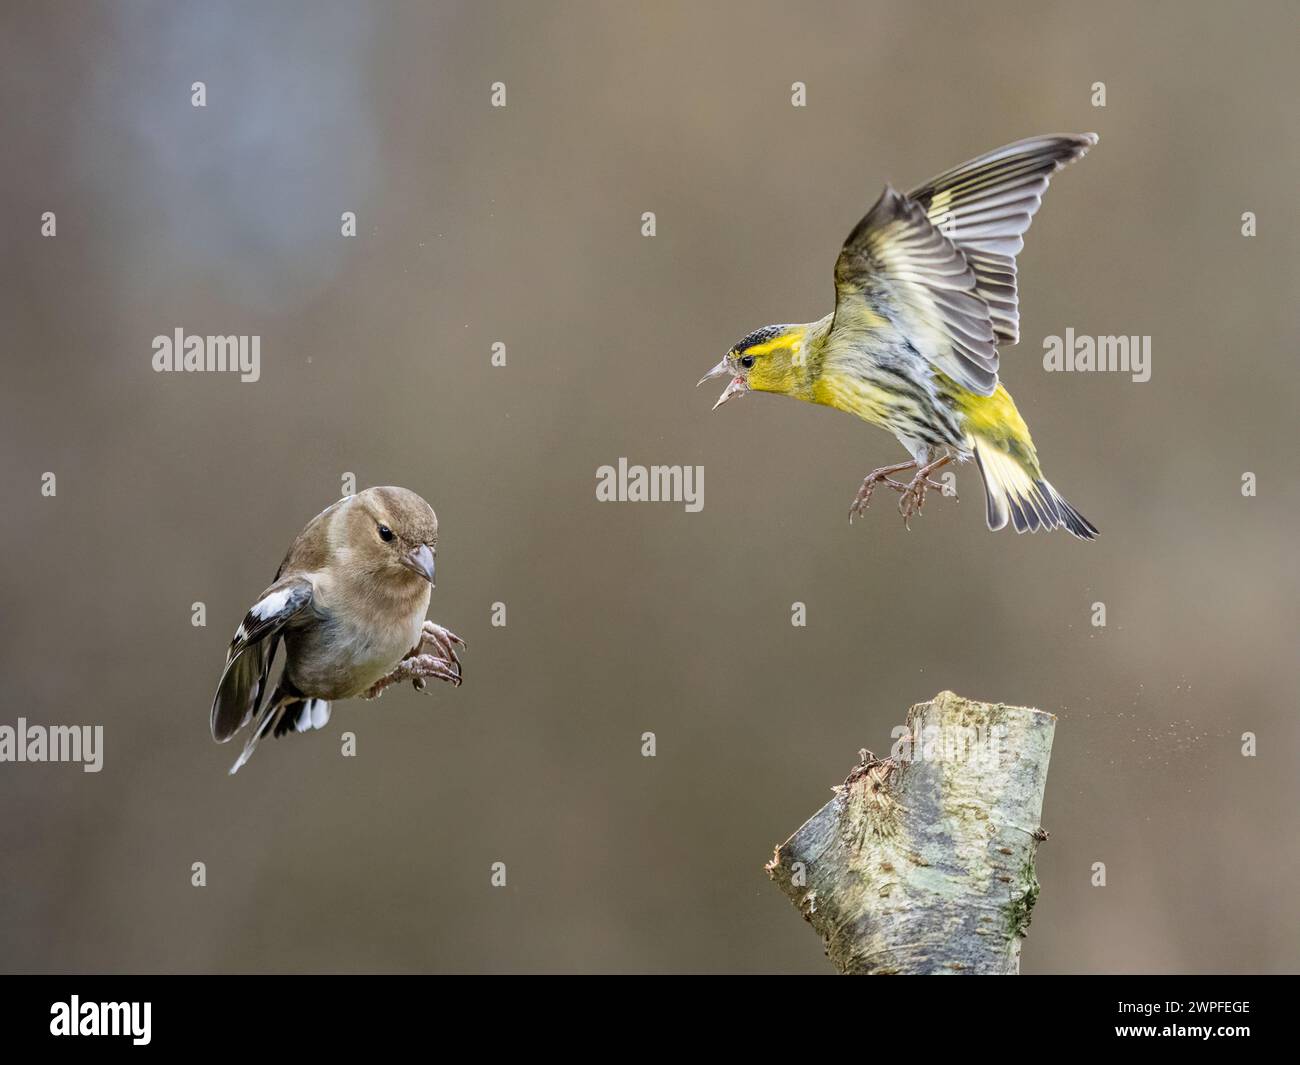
(923, 862)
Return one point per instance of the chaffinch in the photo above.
(348, 601)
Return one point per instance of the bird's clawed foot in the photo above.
(913, 497)
(435, 658)
(441, 643)
(881, 476)
(417, 669)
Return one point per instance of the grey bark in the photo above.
(923, 862)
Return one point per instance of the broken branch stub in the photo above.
(924, 862)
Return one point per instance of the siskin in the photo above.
(348, 601)
(925, 292)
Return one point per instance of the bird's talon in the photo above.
(418, 669)
(913, 497)
(442, 642)
(877, 477)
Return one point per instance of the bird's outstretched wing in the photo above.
(248, 663)
(939, 264)
(985, 206)
(897, 266)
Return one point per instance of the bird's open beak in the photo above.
(738, 386)
(420, 560)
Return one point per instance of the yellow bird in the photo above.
(925, 293)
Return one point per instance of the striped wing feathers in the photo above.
(939, 264)
(896, 264)
(985, 206)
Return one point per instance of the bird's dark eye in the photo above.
(385, 534)
(747, 361)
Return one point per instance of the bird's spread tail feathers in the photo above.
(280, 716)
(1014, 493)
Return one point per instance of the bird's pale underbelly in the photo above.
(334, 660)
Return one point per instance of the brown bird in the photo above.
(348, 601)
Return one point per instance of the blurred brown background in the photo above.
(522, 226)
